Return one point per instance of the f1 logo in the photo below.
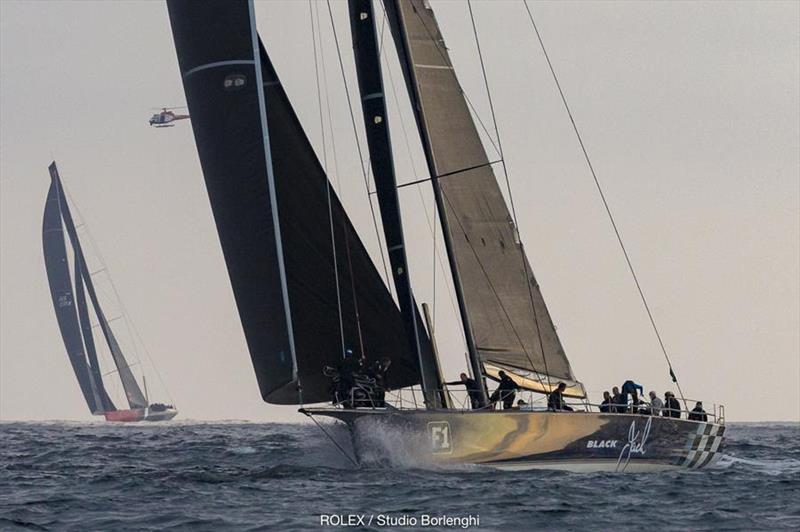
(439, 432)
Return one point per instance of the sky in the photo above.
(690, 112)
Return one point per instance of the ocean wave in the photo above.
(246, 476)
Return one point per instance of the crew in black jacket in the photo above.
(505, 392)
(473, 390)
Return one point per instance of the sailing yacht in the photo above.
(308, 293)
(68, 290)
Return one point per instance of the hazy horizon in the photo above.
(690, 112)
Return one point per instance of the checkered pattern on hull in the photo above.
(703, 445)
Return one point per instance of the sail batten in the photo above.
(503, 308)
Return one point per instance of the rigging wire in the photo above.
(324, 69)
(450, 290)
(511, 199)
(358, 143)
(605, 204)
(338, 446)
(325, 167)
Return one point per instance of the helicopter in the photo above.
(166, 116)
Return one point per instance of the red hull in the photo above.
(136, 414)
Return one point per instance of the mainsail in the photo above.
(304, 284)
(58, 275)
(72, 310)
(506, 316)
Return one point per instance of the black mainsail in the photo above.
(507, 324)
(71, 306)
(58, 275)
(304, 284)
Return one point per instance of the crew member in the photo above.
(348, 367)
(697, 413)
(606, 405)
(473, 390)
(618, 404)
(655, 404)
(555, 399)
(672, 408)
(505, 392)
(378, 371)
(629, 388)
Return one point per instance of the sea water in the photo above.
(243, 476)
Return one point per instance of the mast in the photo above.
(398, 30)
(376, 124)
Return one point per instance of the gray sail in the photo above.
(133, 393)
(101, 396)
(507, 316)
(58, 276)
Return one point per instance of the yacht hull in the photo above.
(140, 414)
(522, 440)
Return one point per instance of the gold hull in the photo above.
(519, 440)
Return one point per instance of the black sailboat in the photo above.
(68, 289)
(308, 294)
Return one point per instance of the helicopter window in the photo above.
(234, 82)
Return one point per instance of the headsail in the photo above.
(270, 199)
(508, 319)
(101, 396)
